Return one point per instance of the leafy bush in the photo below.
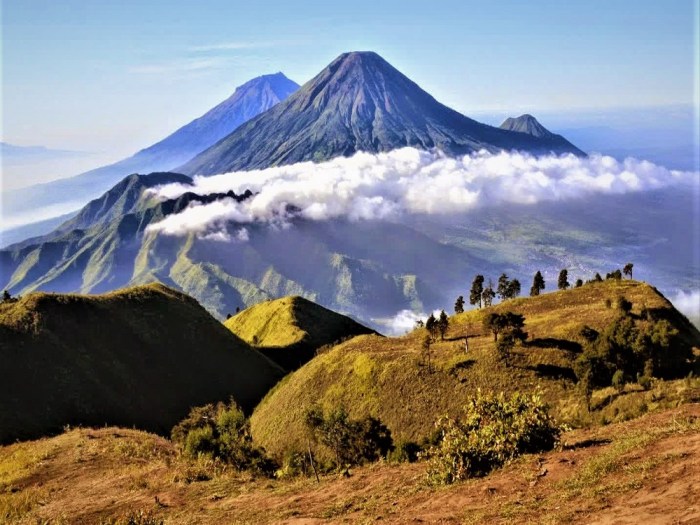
(351, 441)
(221, 432)
(492, 431)
(405, 452)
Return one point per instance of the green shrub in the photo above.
(405, 452)
(492, 431)
(221, 432)
(618, 380)
(350, 441)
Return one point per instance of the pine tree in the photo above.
(431, 326)
(537, 284)
(442, 324)
(476, 291)
(488, 294)
(563, 282)
(459, 305)
(503, 286)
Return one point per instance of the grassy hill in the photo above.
(289, 330)
(138, 357)
(387, 378)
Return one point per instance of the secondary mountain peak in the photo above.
(359, 102)
(526, 124)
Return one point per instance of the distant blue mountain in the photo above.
(249, 100)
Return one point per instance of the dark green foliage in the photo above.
(537, 284)
(6, 297)
(597, 278)
(624, 305)
(588, 333)
(442, 324)
(459, 305)
(425, 351)
(579, 283)
(617, 275)
(222, 432)
(492, 431)
(431, 324)
(476, 290)
(510, 326)
(627, 270)
(563, 281)
(405, 452)
(493, 322)
(488, 294)
(630, 348)
(508, 289)
(351, 441)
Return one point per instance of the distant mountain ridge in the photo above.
(359, 102)
(247, 101)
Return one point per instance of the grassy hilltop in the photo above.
(289, 330)
(140, 357)
(385, 377)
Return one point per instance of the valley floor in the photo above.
(642, 471)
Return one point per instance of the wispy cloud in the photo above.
(186, 65)
(407, 181)
(232, 46)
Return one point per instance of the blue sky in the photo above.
(114, 76)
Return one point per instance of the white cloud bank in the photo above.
(406, 181)
(689, 304)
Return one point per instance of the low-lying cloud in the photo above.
(689, 304)
(406, 181)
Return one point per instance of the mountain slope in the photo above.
(358, 103)
(289, 330)
(248, 100)
(367, 269)
(529, 125)
(136, 357)
(384, 377)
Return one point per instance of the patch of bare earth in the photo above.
(642, 471)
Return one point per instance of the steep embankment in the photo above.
(291, 329)
(390, 379)
(136, 357)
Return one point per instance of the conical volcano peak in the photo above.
(526, 124)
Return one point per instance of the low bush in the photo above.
(492, 431)
(351, 441)
(221, 432)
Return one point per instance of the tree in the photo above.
(459, 305)
(228, 316)
(617, 275)
(6, 297)
(494, 323)
(513, 289)
(563, 282)
(420, 323)
(579, 283)
(627, 270)
(488, 294)
(442, 324)
(597, 278)
(431, 326)
(502, 289)
(537, 284)
(476, 291)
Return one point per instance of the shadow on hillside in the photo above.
(559, 344)
(553, 371)
(586, 443)
(462, 365)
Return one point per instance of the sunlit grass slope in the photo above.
(387, 377)
(289, 330)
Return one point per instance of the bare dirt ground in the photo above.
(643, 471)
